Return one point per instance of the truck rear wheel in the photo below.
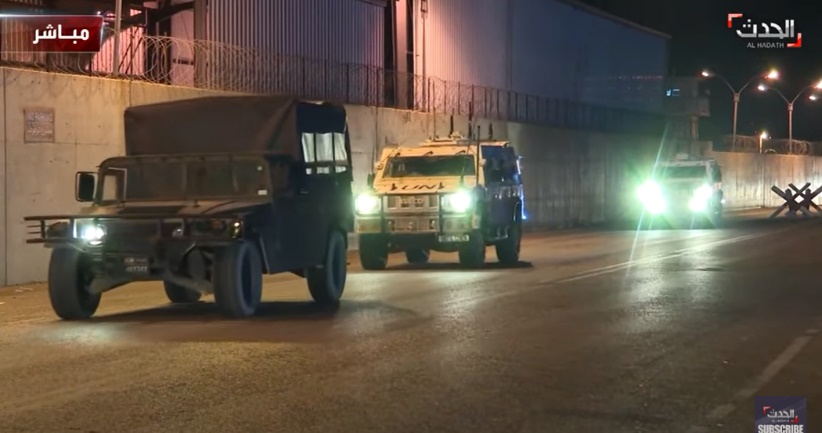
(69, 281)
(472, 253)
(180, 295)
(238, 280)
(417, 256)
(508, 249)
(326, 282)
(373, 252)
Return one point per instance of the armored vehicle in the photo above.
(212, 194)
(685, 189)
(451, 194)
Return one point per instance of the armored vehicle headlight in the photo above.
(652, 198)
(704, 192)
(456, 202)
(701, 197)
(367, 204)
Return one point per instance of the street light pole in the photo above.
(736, 116)
(791, 103)
(772, 75)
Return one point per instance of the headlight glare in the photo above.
(367, 204)
(651, 196)
(90, 232)
(456, 202)
(701, 197)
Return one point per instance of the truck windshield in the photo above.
(177, 179)
(430, 166)
(692, 172)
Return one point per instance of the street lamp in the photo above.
(790, 102)
(773, 74)
(762, 136)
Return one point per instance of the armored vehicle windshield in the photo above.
(683, 172)
(430, 166)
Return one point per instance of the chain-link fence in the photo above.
(224, 67)
(754, 144)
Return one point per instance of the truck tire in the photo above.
(326, 282)
(180, 295)
(69, 280)
(373, 252)
(417, 256)
(472, 253)
(238, 280)
(508, 249)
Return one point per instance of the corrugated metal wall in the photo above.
(346, 31)
(465, 41)
(566, 53)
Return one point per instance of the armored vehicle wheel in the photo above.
(180, 295)
(238, 280)
(326, 282)
(472, 253)
(508, 249)
(373, 252)
(417, 255)
(69, 281)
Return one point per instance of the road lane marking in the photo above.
(760, 381)
(645, 261)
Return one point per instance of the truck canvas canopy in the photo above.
(273, 125)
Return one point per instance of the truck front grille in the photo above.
(423, 202)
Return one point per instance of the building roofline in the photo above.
(599, 12)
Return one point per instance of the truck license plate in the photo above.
(445, 239)
(136, 265)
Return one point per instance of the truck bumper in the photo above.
(443, 229)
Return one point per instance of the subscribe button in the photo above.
(781, 429)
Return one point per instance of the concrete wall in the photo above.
(572, 177)
(747, 177)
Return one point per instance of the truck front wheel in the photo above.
(508, 249)
(180, 295)
(417, 256)
(472, 253)
(326, 282)
(69, 281)
(373, 252)
(238, 280)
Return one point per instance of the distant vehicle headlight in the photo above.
(456, 202)
(701, 197)
(652, 198)
(367, 204)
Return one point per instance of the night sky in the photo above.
(701, 39)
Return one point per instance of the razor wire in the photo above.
(225, 67)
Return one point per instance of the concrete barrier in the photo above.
(572, 177)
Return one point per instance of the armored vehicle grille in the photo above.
(412, 202)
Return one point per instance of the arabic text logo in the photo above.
(766, 34)
(780, 414)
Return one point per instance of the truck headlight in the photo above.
(90, 232)
(652, 198)
(701, 197)
(458, 202)
(367, 204)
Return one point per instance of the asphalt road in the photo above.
(661, 331)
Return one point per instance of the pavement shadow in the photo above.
(293, 322)
(444, 266)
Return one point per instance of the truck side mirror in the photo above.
(84, 186)
(370, 180)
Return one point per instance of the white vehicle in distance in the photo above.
(684, 190)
